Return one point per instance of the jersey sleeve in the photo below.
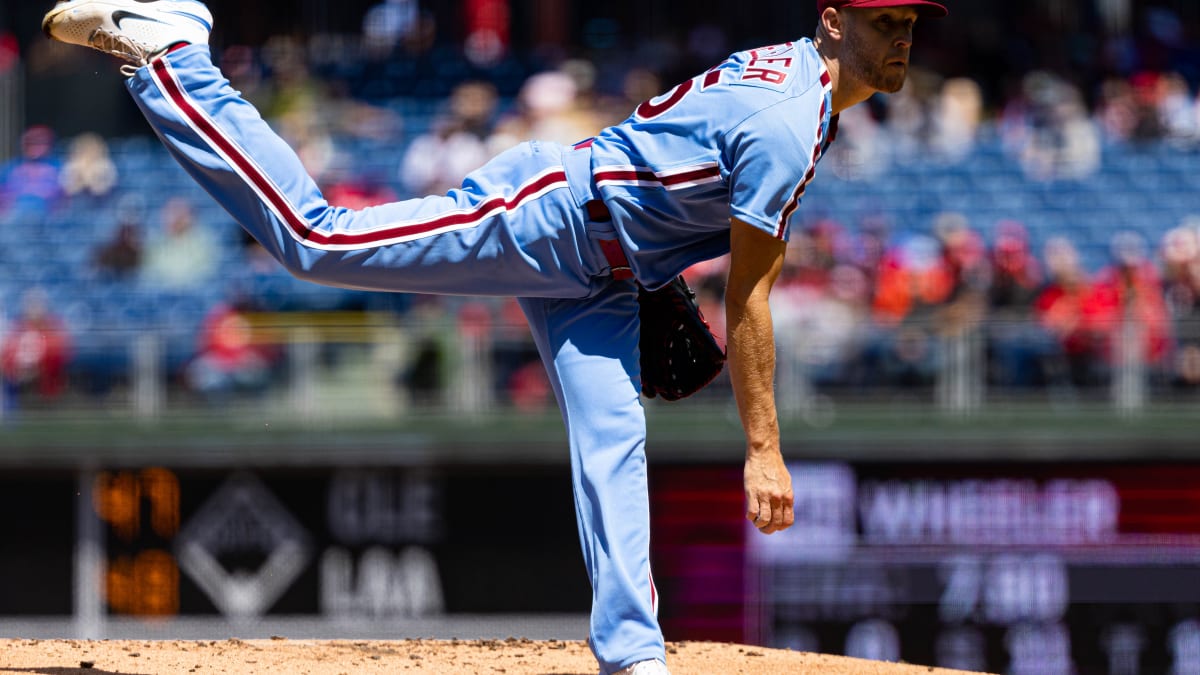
(772, 155)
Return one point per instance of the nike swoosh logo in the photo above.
(120, 15)
(194, 18)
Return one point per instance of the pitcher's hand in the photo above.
(768, 492)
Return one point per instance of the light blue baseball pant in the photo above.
(517, 227)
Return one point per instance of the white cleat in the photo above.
(650, 667)
(134, 30)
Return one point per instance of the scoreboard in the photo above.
(1021, 569)
(334, 543)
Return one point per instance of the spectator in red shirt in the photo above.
(1126, 302)
(35, 352)
(1059, 309)
(228, 361)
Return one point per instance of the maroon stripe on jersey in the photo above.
(794, 203)
(622, 175)
(831, 136)
(690, 176)
(469, 218)
(651, 177)
(300, 226)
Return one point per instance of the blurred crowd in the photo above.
(860, 304)
(868, 309)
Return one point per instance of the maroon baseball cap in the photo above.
(925, 7)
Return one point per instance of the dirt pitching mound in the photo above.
(457, 657)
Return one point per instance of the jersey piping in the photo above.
(298, 226)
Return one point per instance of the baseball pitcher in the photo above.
(719, 164)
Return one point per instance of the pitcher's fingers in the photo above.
(763, 517)
(776, 514)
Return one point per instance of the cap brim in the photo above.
(924, 7)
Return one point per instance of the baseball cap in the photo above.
(925, 7)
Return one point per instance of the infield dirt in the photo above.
(444, 657)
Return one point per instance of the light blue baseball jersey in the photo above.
(741, 140)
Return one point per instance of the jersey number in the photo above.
(650, 109)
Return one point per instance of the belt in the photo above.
(598, 212)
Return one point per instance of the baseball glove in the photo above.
(679, 355)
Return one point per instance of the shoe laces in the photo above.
(122, 47)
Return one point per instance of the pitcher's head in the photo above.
(871, 39)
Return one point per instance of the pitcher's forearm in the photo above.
(751, 343)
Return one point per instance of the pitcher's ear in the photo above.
(831, 24)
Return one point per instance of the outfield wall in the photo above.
(977, 544)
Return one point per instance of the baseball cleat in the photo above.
(134, 30)
(650, 667)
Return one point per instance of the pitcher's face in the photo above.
(877, 44)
